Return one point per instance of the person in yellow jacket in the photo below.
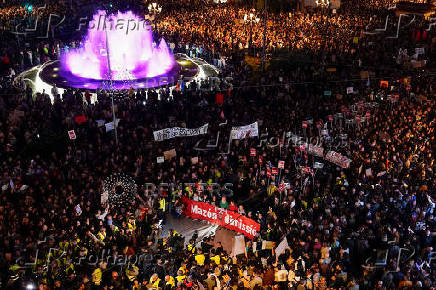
(183, 269)
(96, 276)
(200, 258)
(180, 276)
(271, 189)
(216, 259)
(191, 247)
(131, 225)
(132, 272)
(155, 281)
(102, 235)
(170, 281)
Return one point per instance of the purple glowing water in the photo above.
(122, 41)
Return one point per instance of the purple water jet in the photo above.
(118, 46)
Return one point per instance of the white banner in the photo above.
(174, 132)
(242, 132)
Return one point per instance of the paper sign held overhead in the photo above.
(72, 135)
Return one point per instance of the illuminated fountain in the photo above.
(119, 45)
(117, 53)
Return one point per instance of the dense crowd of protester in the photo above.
(370, 226)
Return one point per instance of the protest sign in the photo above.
(338, 159)
(80, 119)
(222, 217)
(316, 150)
(100, 123)
(252, 152)
(281, 164)
(110, 126)
(246, 131)
(281, 247)
(72, 135)
(170, 154)
(238, 245)
(267, 245)
(160, 159)
(169, 133)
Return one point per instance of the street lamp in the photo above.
(252, 19)
(154, 9)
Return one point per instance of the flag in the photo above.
(182, 85)
(80, 119)
(219, 98)
(178, 86)
(281, 187)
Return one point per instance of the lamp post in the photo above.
(251, 18)
(154, 9)
(264, 35)
(112, 93)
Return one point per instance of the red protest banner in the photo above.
(252, 152)
(222, 217)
